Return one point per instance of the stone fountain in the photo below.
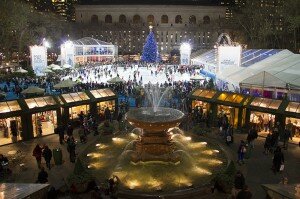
(154, 156)
(155, 143)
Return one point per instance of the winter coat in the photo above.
(47, 154)
(37, 152)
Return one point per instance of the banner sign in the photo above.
(185, 58)
(228, 57)
(38, 55)
(67, 53)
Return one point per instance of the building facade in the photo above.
(127, 26)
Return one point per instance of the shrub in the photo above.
(79, 177)
(225, 178)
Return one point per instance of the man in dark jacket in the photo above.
(47, 154)
(70, 130)
(71, 148)
(61, 132)
(107, 114)
(37, 153)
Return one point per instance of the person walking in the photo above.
(70, 130)
(47, 154)
(71, 148)
(37, 153)
(252, 135)
(241, 152)
(278, 160)
(229, 135)
(267, 144)
(61, 133)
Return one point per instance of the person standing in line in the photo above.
(47, 154)
(37, 153)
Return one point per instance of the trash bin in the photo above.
(57, 156)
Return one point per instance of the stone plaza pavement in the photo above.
(257, 169)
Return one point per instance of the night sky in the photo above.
(151, 2)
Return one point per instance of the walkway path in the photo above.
(257, 169)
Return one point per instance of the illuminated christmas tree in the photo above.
(150, 52)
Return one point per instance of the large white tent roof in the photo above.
(284, 65)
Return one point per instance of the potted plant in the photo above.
(79, 180)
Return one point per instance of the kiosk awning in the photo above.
(204, 93)
(293, 107)
(231, 97)
(9, 106)
(266, 103)
(100, 93)
(40, 102)
(75, 97)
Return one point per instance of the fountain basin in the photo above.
(150, 121)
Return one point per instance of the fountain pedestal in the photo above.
(154, 147)
(155, 144)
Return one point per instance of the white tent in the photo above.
(56, 67)
(285, 65)
(21, 70)
(66, 66)
(263, 80)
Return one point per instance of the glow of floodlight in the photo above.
(185, 47)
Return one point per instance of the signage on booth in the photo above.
(38, 55)
(229, 56)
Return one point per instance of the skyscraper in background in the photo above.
(64, 8)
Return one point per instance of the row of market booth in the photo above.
(244, 110)
(24, 119)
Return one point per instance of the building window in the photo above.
(136, 19)
(164, 19)
(206, 20)
(94, 19)
(192, 19)
(108, 19)
(150, 19)
(122, 19)
(178, 19)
